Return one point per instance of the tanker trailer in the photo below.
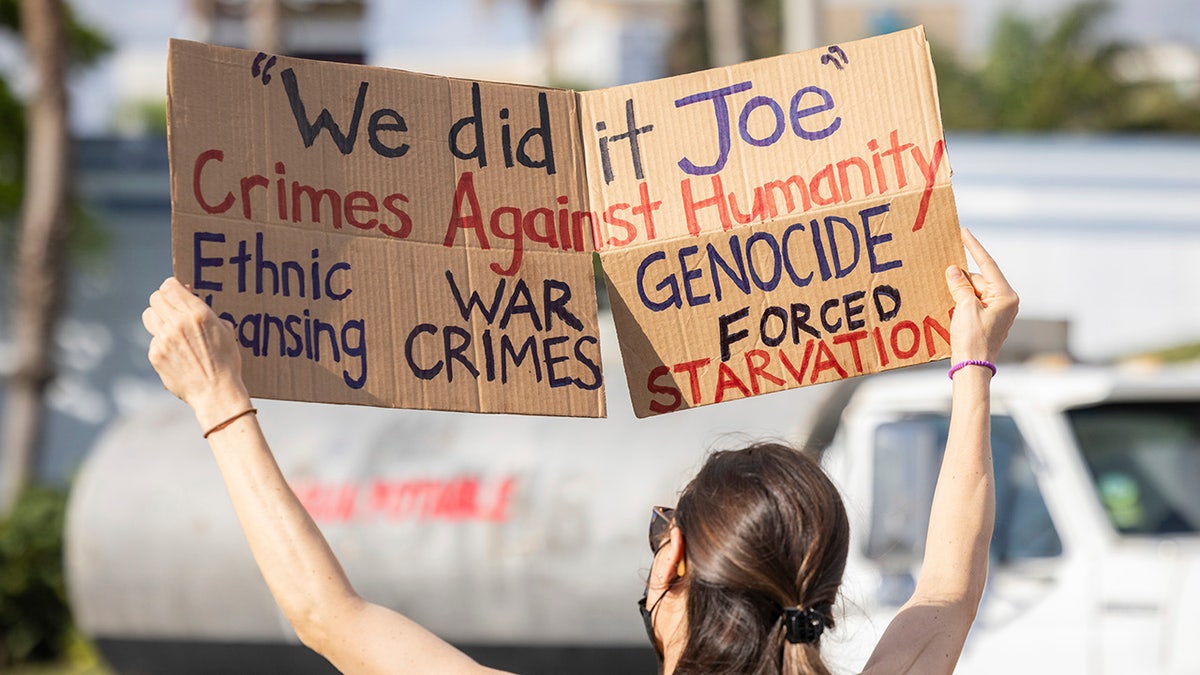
(521, 540)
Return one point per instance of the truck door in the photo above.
(1143, 459)
(1025, 609)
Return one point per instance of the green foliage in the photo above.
(1179, 354)
(1039, 77)
(86, 46)
(12, 150)
(35, 621)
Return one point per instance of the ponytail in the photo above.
(764, 530)
(803, 659)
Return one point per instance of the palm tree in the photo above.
(36, 140)
(1039, 78)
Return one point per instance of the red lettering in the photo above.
(787, 363)
(248, 183)
(727, 379)
(610, 217)
(756, 362)
(692, 369)
(457, 499)
(814, 188)
(916, 339)
(454, 500)
(465, 193)
(516, 236)
(204, 158)
(852, 339)
(499, 511)
(315, 198)
(646, 209)
(825, 361)
(353, 208)
(690, 205)
(879, 348)
(930, 171)
(784, 188)
(529, 224)
(389, 203)
(597, 236)
(654, 387)
(931, 327)
(344, 502)
(576, 238)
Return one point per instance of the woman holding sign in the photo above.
(746, 567)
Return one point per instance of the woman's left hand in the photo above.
(195, 353)
(985, 306)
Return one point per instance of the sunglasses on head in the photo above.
(661, 520)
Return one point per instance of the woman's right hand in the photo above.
(985, 306)
(195, 353)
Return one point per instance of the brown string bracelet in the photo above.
(231, 420)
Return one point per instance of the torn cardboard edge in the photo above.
(457, 368)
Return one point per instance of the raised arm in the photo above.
(196, 355)
(928, 633)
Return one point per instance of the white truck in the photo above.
(523, 539)
(1096, 552)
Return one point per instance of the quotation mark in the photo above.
(835, 51)
(258, 68)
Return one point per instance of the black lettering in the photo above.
(888, 293)
(454, 352)
(800, 316)
(591, 365)
(475, 121)
(310, 130)
(541, 131)
(728, 338)
(377, 124)
(423, 373)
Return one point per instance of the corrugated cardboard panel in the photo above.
(776, 223)
(391, 238)
(386, 238)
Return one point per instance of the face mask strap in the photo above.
(648, 616)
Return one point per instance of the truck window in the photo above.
(1144, 460)
(908, 453)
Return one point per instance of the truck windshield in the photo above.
(1144, 460)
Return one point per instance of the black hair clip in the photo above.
(803, 625)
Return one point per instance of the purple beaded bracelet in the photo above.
(971, 362)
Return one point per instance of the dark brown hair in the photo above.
(764, 529)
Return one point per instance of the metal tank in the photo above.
(520, 539)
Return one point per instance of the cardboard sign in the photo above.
(386, 238)
(774, 224)
(389, 238)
